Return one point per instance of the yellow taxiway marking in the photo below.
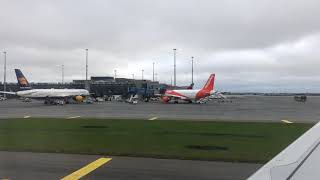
(73, 117)
(286, 121)
(87, 169)
(26, 117)
(153, 118)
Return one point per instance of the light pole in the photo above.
(132, 76)
(62, 74)
(153, 71)
(115, 74)
(174, 68)
(142, 74)
(192, 70)
(86, 64)
(5, 74)
(87, 83)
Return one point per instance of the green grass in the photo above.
(219, 141)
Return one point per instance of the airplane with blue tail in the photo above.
(50, 96)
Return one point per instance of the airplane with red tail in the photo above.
(190, 95)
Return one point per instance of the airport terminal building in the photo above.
(100, 86)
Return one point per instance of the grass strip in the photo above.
(217, 141)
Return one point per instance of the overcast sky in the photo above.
(251, 45)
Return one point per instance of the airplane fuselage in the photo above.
(51, 93)
(192, 95)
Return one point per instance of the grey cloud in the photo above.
(251, 45)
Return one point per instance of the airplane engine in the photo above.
(78, 98)
(165, 99)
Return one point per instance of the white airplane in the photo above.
(198, 95)
(50, 96)
(300, 160)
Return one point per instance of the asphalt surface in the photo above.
(246, 108)
(26, 165)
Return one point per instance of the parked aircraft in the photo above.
(50, 96)
(198, 95)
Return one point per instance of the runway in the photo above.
(26, 165)
(242, 108)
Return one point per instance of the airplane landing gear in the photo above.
(47, 101)
(54, 102)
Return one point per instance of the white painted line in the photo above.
(73, 117)
(153, 118)
(26, 117)
(286, 121)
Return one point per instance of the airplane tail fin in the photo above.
(209, 86)
(191, 86)
(22, 81)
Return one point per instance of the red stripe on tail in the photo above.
(210, 83)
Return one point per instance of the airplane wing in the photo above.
(300, 160)
(61, 95)
(6, 92)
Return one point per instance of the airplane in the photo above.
(300, 160)
(198, 95)
(50, 96)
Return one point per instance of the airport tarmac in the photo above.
(26, 165)
(242, 108)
